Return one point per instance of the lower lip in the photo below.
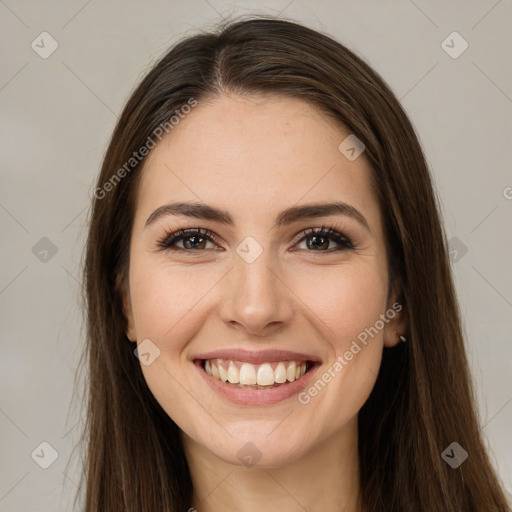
(243, 396)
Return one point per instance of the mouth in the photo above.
(256, 378)
(246, 375)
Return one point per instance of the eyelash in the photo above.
(170, 239)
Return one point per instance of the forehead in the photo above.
(255, 154)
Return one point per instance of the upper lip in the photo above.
(256, 357)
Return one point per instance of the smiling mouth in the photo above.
(256, 376)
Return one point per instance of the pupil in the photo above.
(192, 245)
(315, 244)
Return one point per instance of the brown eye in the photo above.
(318, 240)
(192, 239)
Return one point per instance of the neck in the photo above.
(325, 478)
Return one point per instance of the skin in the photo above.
(225, 154)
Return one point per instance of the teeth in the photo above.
(280, 373)
(233, 374)
(265, 376)
(222, 372)
(246, 374)
(290, 372)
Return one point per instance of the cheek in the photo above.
(347, 305)
(166, 301)
(347, 300)
(167, 309)
(170, 304)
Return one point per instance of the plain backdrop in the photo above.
(57, 114)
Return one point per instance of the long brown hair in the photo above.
(422, 400)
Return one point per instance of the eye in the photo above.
(193, 239)
(196, 239)
(319, 240)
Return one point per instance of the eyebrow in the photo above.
(288, 216)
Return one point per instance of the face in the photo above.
(257, 325)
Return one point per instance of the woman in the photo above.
(272, 322)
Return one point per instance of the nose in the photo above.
(255, 297)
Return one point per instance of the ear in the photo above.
(398, 324)
(123, 288)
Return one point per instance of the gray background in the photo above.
(57, 114)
